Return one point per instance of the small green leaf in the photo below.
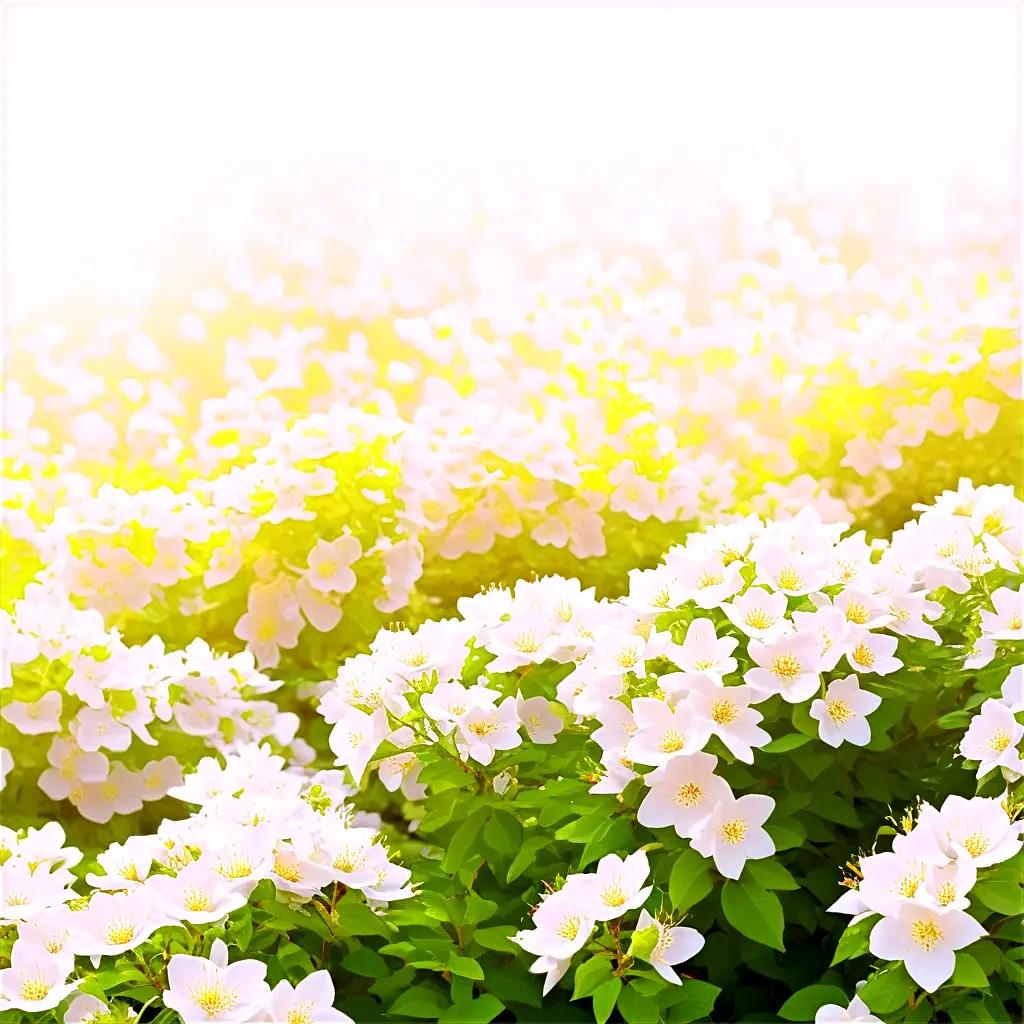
(854, 941)
(642, 944)
(464, 967)
(754, 912)
(803, 1005)
(605, 998)
(690, 880)
(693, 1000)
(525, 857)
(968, 972)
(475, 1011)
(419, 1002)
(1002, 896)
(590, 976)
(887, 991)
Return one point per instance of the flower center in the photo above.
(723, 712)
(1000, 741)
(856, 612)
(976, 844)
(34, 989)
(120, 932)
(733, 832)
(909, 884)
(926, 933)
(1016, 622)
(526, 643)
(709, 579)
(690, 794)
(946, 893)
(671, 742)
(290, 872)
(237, 867)
(196, 900)
(839, 711)
(613, 895)
(213, 998)
(349, 860)
(301, 1013)
(789, 579)
(569, 928)
(482, 729)
(863, 655)
(786, 666)
(758, 618)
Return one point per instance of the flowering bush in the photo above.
(570, 778)
(486, 613)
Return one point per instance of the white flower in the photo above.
(683, 793)
(674, 945)
(204, 990)
(114, 922)
(759, 613)
(725, 712)
(198, 894)
(871, 652)
(561, 926)
(616, 886)
(704, 651)
(992, 739)
(856, 1013)
(33, 717)
(662, 732)
(309, 1002)
(36, 980)
(788, 665)
(541, 723)
(978, 825)
(732, 834)
(484, 730)
(842, 715)
(925, 940)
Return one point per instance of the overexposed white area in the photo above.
(118, 118)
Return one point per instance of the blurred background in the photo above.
(123, 123)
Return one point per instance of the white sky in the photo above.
(115, 116)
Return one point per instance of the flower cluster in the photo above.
(922, 887)
(564, 921)
(426, 426)
(256, 821)
(115, 723)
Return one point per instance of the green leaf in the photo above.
(605, 998)
(887, 991)
(464, 967)
(803, 1005)
(1002, 896)
(770, 874)
(642, 943)
(465, 838)
(636, 1008)
(366, 962)
(854, 941)
(590, 976)
(524, 858)
(690, 880)
(496, 938)
(693, 1000)
(968, 972)
(754, 912)
(475, 1011)
(478, 909)
(420, 1002)
(503, 833)
(790, 741)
